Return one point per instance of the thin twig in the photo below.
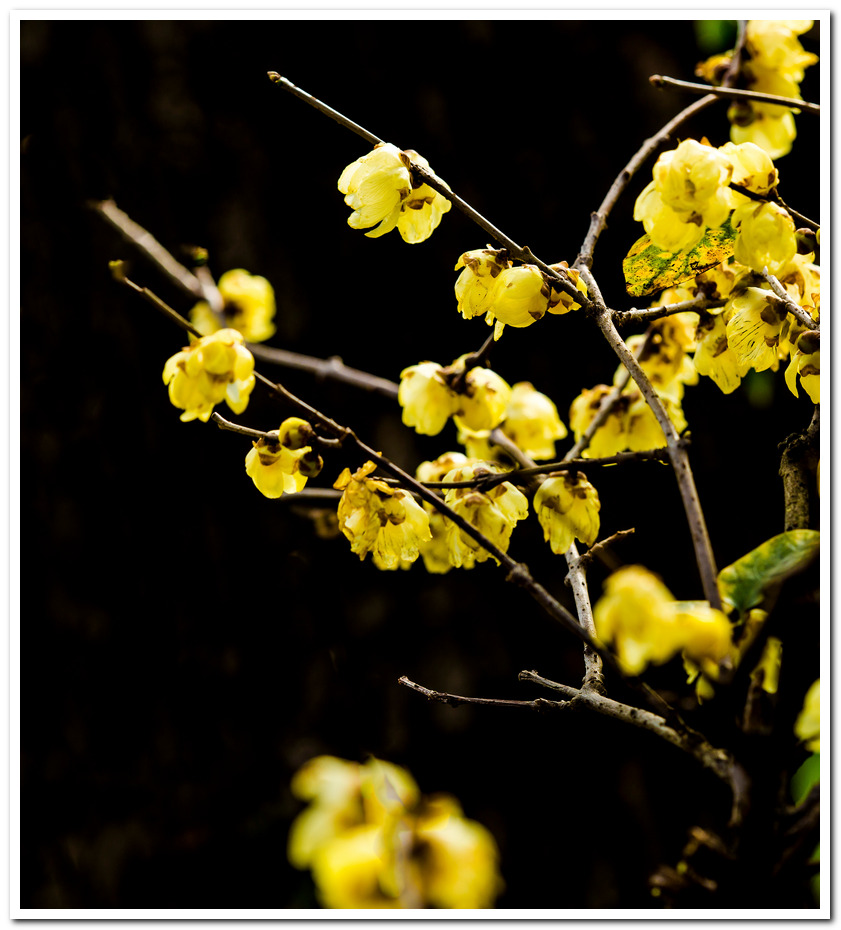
(201, 286)
(801, 315)
(454, 700)
(146, 243)
(598, 219)
(650, 314)
(340, 118)
(487, 482)
(596, 550)
(659, 80)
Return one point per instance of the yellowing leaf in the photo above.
(743, 584)
(649, 269)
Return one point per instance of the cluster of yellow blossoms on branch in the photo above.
(773, 63)
(693, 190)
(490, 285)
(373, 841)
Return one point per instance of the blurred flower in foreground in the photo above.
(372, 841)
(249, 307)
(211, 369)
(807, 727)
(647, 626)
(384, 192)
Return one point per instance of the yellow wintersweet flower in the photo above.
(283, 465)
(333, 787)
(765, 236)
(752, 167)
(435, 552)
(532, 421)
(668, 230)
(476, 285)
(426, 398)
(608, 438)
(663, 354)
(693, 181)
(639, 616)
(559, 301)
(707, 634)
(807, 727)
(482, 404)
(631, 424)
(460, 859)
(211, 369)
(754, 328)
(375, 186)
(477, 443)
(754, 122)
(372, 841)
(775, 43)
(350, 871)
(422, 209)
(635, 614)
(521, 296)
(249, 307)
(806, 362)
(568, 509)
(713, 355)
(383, 193)
(381, 519)
(494, 513)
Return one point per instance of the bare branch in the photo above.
(658, 80)
(802, 316)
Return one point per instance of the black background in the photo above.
(186, 643)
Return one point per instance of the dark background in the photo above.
(187, 643)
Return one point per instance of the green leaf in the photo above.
(807, 775)
(743, 584)
(649, 269)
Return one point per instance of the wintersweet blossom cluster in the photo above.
(281, 464)
(640, 618)
(430, 394)
(248, 307)
(494, 513)
(753, 329)
(773, 62)
(372, 840)
(630, 426)
(385, 192)
(508, 295)
(378, 518)
(210, 370)
(691, 192)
